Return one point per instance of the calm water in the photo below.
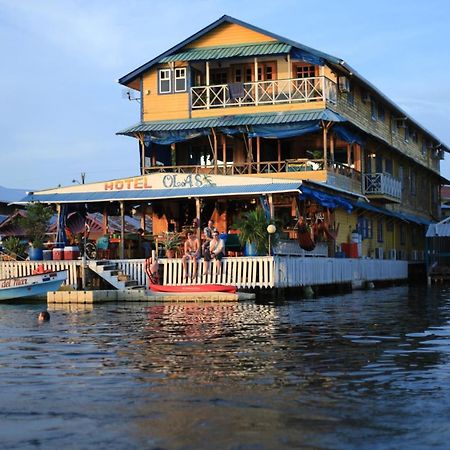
(368, 370)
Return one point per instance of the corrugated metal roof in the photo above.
(235, 51)
(161, 194)
(234, 121)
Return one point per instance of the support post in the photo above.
(122, 230)
(325, 149)
(256, 82)
(258, 154)
(208, 95)
(224, 153)
(215, 150)
(279, 154)
(198, 210)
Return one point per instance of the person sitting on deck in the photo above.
(191, 252)
(152, 269)
(207, 236)
(216, 253)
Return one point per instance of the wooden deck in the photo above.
(281, 271)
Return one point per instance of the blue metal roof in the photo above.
(234, 121)
(161, 194)
(398, 215)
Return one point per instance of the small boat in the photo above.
(34, 285)
(194, 288)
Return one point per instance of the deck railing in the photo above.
(288, 165)
(23, 268)
(382, 184)
(272, 92)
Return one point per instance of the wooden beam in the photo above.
(258, 153)
(215, 151)
(122, 230)
(224, 152)
(198, 210)
(279, 154)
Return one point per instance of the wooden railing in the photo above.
(23, 268)
(272, 92)
(382, 184)
(298, 271)
(243, 272)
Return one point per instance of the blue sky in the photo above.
(61, 105)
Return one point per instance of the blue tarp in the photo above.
(307, 57)
(328, 200)
(284, 131)
(173, 136)
(349, 136)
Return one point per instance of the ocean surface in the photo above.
(366, 370)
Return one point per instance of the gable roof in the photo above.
(224, 19)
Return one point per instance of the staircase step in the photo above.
(130, 283)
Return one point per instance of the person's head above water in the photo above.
(44, 316)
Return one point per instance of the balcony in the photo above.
(334, 173)
(383, 186)
(273, 92)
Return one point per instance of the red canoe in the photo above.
(193, 288)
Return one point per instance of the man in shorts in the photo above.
(191, 253)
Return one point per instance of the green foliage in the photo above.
(35, 223)
(252, 227)
(13, 246)
(172, 240)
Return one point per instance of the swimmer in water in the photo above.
(44, 316)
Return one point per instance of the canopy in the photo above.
(328, 200)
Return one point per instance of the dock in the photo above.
(142, 295)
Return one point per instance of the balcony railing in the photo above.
(294, 90)
(289, 165)
(382, 184)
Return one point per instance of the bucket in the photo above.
(35, 254)
(58, 254)
(47, 255)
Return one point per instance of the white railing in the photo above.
(243, 272)
(294, 90)
(298, 271)
(382, 184)
(134, 268)
(23, 268)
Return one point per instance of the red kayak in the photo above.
(193, 288)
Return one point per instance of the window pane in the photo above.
(164, 81)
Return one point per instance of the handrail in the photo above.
(270, 92)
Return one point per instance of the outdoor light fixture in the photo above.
(271, 229)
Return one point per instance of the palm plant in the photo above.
(252, 227)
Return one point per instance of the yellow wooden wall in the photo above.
(230, 34)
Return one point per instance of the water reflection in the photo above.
(363, 370)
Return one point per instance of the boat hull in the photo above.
(194, 288)
(32, 285)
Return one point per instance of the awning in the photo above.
(242, 120)
(162, 194)
(328, 200)
(285, 131)
(232, 51)
(401, 216)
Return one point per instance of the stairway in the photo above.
(109, 271)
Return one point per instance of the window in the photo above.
(414, 135)
(351, 96)
(165, 81)
(412, 182)
(380, 230)
(305, 71)
(381, 113)
(424, 146)
(402, 234)
(388, 166)
(180, 79)
(406, 134)
(373, 109)
(364, 228)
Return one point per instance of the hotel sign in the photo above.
(164, 181)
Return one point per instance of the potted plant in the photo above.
(34, 225)
(172, 242)
(253, 234)
(14, 248)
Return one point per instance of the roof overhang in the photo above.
(164, 186)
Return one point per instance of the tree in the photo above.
(36, 222)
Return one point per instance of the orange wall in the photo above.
(230, 34)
